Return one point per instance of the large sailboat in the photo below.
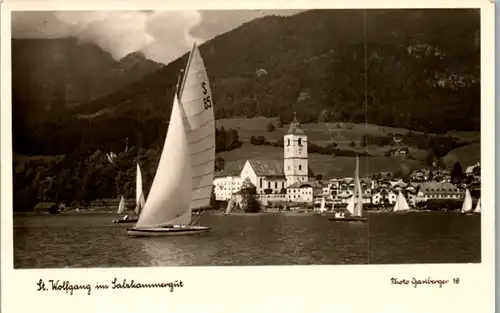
(139, 200)
(355, 205)
(184, 177)
(467, 204)
(401, 204)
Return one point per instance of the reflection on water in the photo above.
(91, 240)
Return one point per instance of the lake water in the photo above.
(91, 240)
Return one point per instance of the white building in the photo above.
(272, 178)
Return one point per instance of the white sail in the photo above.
(350, 205)
(169, 199)
(358, 193)
(478, 206)
(121, 206)
(230, 205)
(467, 204)
(322, 208)
(401, 203)
(139, 193)
(197, 103)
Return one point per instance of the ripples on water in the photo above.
(91, 240)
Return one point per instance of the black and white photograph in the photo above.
(230, 157)
(246, 137)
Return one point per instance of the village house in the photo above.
(436, 190)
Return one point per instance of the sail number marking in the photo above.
(207, 102)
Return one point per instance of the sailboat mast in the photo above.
(181, 89)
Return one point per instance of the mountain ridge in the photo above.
(423, 74)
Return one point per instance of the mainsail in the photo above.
(351, 205)
(230, 205)
(197, 103)
(139, 194)
(401, 203)
(121, 206)
(322, 208)
(467, 204)
(478, 206)
(358, 193)
(169, 199)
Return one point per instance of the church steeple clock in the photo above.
(295, 154)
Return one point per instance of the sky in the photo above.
(162, 36)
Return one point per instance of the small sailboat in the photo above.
(401, 204)
(467, 204)
(230, 206)
(121, 206)
(184, 177)
(478, 207)
(355, 205)
(139, 200)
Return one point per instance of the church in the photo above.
(287, 180)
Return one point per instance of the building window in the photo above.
(261, 183)
(300, 141)
(288, 140)
(300, 167)
(276, 185)
(268, 184)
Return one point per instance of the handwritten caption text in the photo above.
(70, 288)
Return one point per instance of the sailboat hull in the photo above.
(132, 220)
(348, 219)
(171, 230)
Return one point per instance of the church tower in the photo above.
(295, 146)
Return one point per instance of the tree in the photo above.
(249, 200)
(219, 163)
(213, 200)
(270, 127)
(319, 177)
(352, 144)
(403, 171)
(456, 173)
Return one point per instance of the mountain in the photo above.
(50, 76)
(422, 73)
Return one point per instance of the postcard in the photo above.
(258, 156)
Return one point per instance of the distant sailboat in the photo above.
(139, 199)
(230, 205)
(467, 204)
(478, 207)
(184, 176)
(322, 207)
(121, 206)
(355, 205)
(401, 204)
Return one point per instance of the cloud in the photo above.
(161, 36)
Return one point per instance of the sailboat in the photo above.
(355, 205)
(184, 177)
(322, 207)
(139, 200)
(467, 204)
(401, 204)
(121, 206)
(230, 205)
(478, 207)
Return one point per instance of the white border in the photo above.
(268, 288)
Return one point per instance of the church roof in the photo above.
(232, 168)
(267, 167)
(294, 128)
